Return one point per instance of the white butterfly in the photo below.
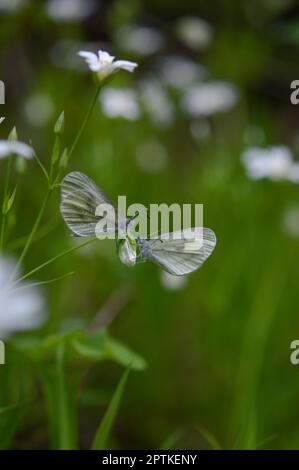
(175, 252)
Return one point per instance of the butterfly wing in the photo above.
(179, 255)
(80, 197)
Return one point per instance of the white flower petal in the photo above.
(103, 63)
(274, 162)
(91, 60)
(22, 306)
(125, 65)
(120, 102)
(8, 147)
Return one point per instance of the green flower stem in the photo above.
(51, 187)
(51, 260)
(34, 230)
(4, 215)
(88, 114)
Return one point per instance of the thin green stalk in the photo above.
(6, 185)
(34, 230)
(92, 105)
(51, 260)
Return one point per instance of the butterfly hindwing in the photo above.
(179, 255)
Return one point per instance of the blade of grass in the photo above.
(103, 432)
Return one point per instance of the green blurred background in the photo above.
(217, 347)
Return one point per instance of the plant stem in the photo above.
(88, 114)
(6, 185)
(34, 229)
(51, 260)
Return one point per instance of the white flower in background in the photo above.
(104, 65)
(179, 72)
(70, 10)
(139, 40)
(157, 102)
(39, 109)
(152, 156)
(194, 32)
(275, 162)
(291, 221)
(22, 305)
(2, 119)
(293, 175)
(120, 102)
(171, 282)
(9, 147)
(209, 98)
(11, 5)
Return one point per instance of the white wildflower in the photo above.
(9, 147)
(2, 119)
(157, 102)
(179, 72)
(22, 305)
(39, 109)
(120, 102)
(139, 40)
(103, 64)
(209, 98)
(194, 32)
(273, 162)
(70, 10)
(11, 5)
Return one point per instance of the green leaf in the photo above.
(122, 354)
(171, 440)
(63, 162)
(8, 201)
(103, 432)
(59, 125)
(20, 165)
(209, 437)
(100, 346)
(13, 136)
(56, 151)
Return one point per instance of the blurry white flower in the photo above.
(194, 32)
(152, 156)
(291, 221)
(179, 72)
(104, 65)
(11, 5)
(273, 162)
(39, 109)
(173, 282)
(293, 175)
(140, 40)
(2, 119)
(22, 305)
(209, 98)
(120, 102)
(8, 147)
(70, 10)
(157, 102)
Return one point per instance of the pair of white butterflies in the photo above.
(175, 252)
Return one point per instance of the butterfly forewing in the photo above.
(80, 197)
(179, 256)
